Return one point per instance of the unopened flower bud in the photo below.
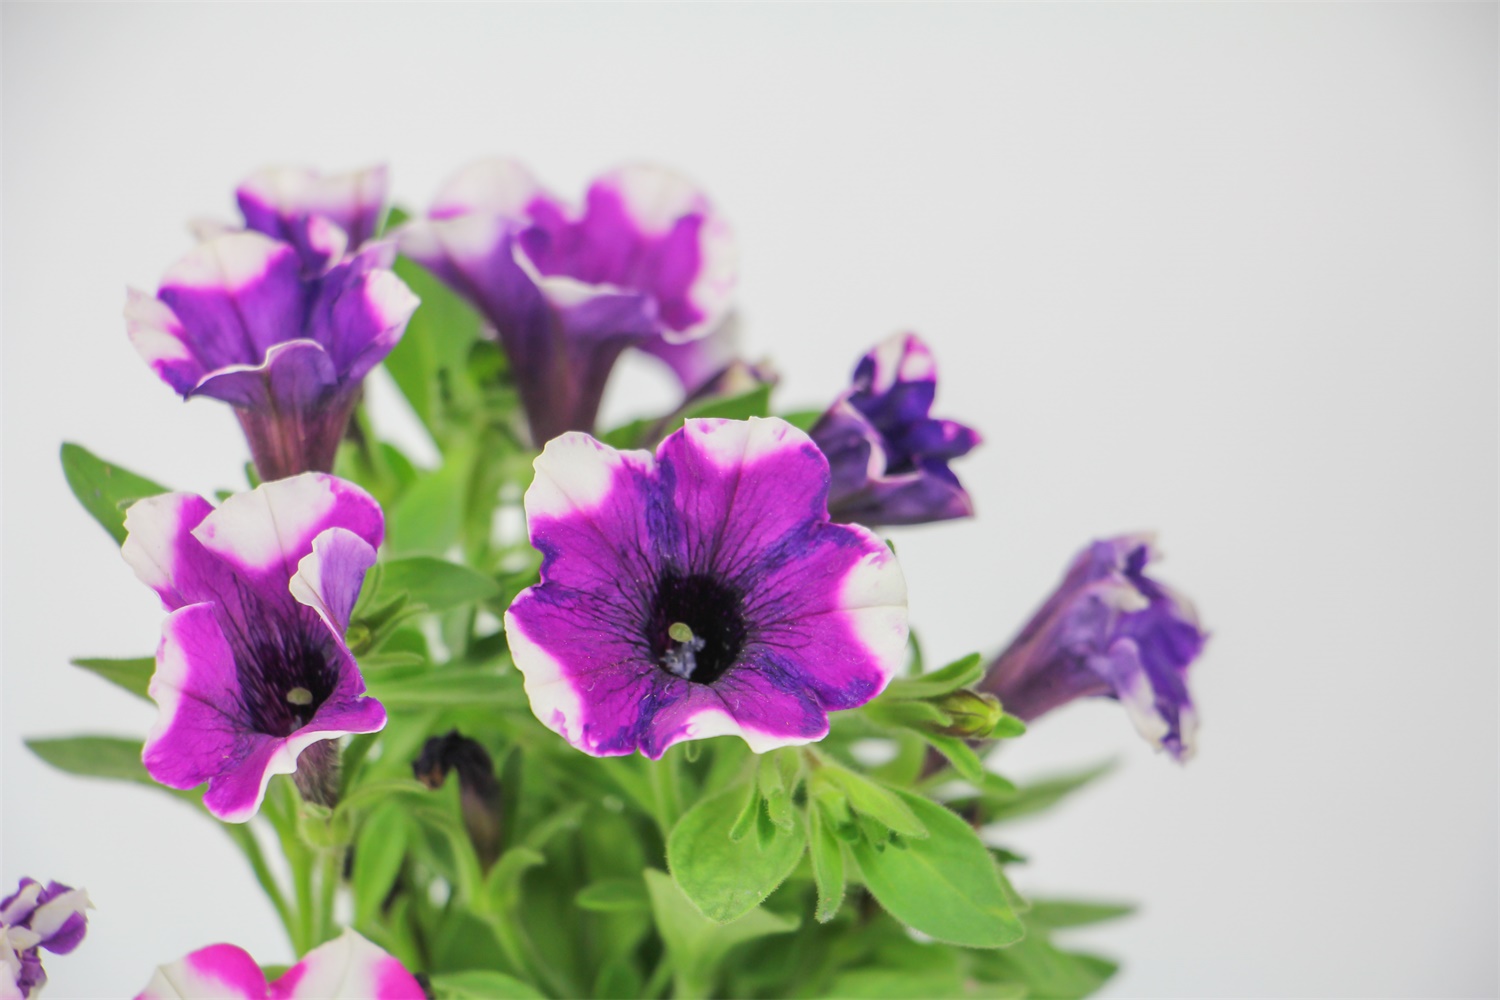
(479, 792)
(974, 713)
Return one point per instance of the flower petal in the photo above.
(158, 336)
(263, 534)
(328, 578)
(296, 375)
(218, 972)
(161, 549)
(347, 968)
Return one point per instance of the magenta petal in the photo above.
(218, 972)
(160, 547)
(347, 968)
(297, 374)
(329, 578)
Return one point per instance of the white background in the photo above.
(1228, 272)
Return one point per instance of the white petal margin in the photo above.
(154, 529)
(498, 186)
(8, 988)
(466, 241)
(575, 473)
(348, 968)
(553, 698)
(731, 444)
(218, 972)
(873, 599)
(717, 722)
(232, 262)
(267, 530)
(154, 329)
(47, 919)
(328, 579)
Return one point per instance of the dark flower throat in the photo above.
(714, 624)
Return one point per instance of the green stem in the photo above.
(666, 790)
(330, 873)
(244, 837)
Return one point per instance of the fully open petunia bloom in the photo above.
(1108, 630)
(238, 319)
(347, 968)
(252, 674)
(700, 592)
(34, 917)
(889, 457)
(646, 259)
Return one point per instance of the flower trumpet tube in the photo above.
(645, 260)
(347, 968)
(1108, 630)
(239, 320)
(252, 674)
(700, 591)
(889, 457)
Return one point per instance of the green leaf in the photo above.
(378, 853)
(755, 403)
(613, 895)
(803, 420)
(1039, 795)
(723, 877)
(436, 583)
(959, 673)
(104, 489)
(1009, 727)
(109, 757)
(1055, 913)
(962, 756)
(132, 675)
(1046, 970)
(694, 942)
(430, 362)
(875, 801)
(456, 687)
(827, 857)
(482, 984)
(503, 883)
(945, 886)
(429, 516)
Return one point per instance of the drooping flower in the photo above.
(237, 319)
(295, 205)
(645, 260)
(347, 968)
(252, 674)
(479, 792)
(889, 457)
(700, 592)
(1108, 630)
(35, 917)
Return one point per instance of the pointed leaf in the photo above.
(105, 489)
(133, 675)
(726, 878)
(436, 583)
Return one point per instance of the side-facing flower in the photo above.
(700, 592)
(645, 259)
(296, 204)
(237, 319)
(252, 674)
(347, 968)
(889, 457)
(34, 917)
(1108, 630)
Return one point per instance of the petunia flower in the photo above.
(700, 592)
(646, 259)
(347, 968)
(889, 457)
(293, 204)
(238, 320)
(34, 917)
(1108, 630)
(252, 674)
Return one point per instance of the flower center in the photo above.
(285, 676)
(696, 629)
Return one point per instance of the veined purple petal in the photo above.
(1108, 630)
(889, 457)
(218, 972)
(723, 533)
(329, 578)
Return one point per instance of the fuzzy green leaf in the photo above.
(378, 854)
(613, 895)
(104, 489)
(436, 583)
(959, 673)
(723, 877)
(945, 886)
(133, 675)
(695, 943)
(482, 984)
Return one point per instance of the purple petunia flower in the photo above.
(1110, 630)
(645, 260)
(889, 458)
(347, 968)
(700, 592)
(296, 204)
(239, 320)
(252, 674)
(32, 918)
